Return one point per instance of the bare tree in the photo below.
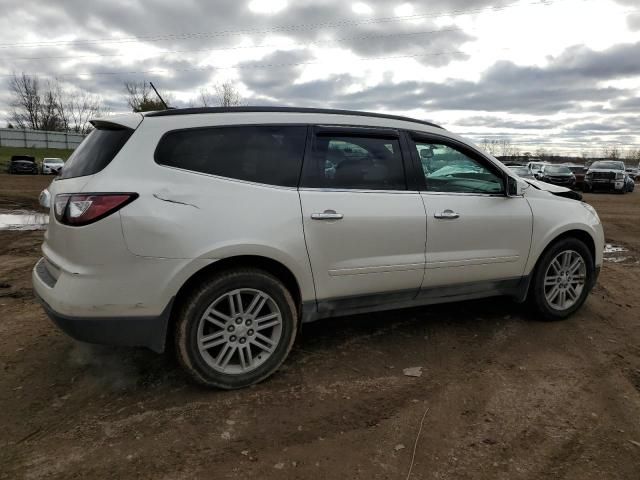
(633, 155)
(75, 109)
(33, 106)
(141, 97)
(48, 106)
(490, 146)
(541, 153)
(612, 152)
(223, 95)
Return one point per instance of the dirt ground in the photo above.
(505, 396)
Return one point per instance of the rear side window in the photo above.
(267, 154)
(354, 163)
(95, 152)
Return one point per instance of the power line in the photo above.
(259, 65)
(306, 26)
(320, 42)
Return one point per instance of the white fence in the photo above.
(13, 137)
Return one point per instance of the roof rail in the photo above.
(198, 110)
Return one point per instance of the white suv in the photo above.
(223, 230)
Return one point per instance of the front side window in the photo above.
(365, 163)
(267, 154)
(447, 169)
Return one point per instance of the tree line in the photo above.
(50, 105)
(506, 150)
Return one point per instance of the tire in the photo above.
(586, 188)
(539, 292)
(210, 366)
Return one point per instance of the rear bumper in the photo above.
(150, 332)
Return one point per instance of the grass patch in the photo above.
(7, 152)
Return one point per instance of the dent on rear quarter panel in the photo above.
(187, 215)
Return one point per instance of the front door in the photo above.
(475, 233)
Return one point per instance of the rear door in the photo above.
(365, 228)
(476, 234)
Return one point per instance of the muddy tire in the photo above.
(235, 329)
(562, 279)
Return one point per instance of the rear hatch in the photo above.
(67, 237)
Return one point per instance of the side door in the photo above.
(476, 234)
(364, 227)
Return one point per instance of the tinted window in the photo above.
(95, 152)
(608, 165)
(557, 169)
(365, 163)
(262, 154)
(449, 170)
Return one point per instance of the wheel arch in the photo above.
(578, 233)
(581, 235)
(269, 265)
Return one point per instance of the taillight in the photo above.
(77, 209)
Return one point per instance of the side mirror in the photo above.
(514, 188)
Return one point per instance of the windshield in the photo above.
(53, 160)
(608, 165)
(557, 169)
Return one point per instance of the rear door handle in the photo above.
(447, 215)
(327, 215)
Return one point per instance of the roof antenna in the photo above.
(166, 107)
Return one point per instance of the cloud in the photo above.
(568, 79)
(633, 21)
(133, 40)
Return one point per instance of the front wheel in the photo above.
(236, 329)
(562, 280)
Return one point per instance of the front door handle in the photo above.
(447, 215)
(327, 215)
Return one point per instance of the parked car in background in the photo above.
(522, 171)
(535, 167)
(23, 164)
(556, 175)
(579, 172)
(608, 175)
(633, 173)
(222, 230)
(52, 166)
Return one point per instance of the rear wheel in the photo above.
(236, 329)
(562, 280)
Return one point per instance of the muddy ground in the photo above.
(505, 396)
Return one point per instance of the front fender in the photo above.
(555, 216)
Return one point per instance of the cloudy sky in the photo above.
(562, 74)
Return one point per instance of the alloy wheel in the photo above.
(565, 280)
(239, 331)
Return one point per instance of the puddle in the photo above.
(610, 248)
(616, 254)
(23, 220)
(616, 259)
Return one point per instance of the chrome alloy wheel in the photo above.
(565, 280)
(239, 331)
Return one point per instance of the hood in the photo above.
(554, 189)
(606, 170)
